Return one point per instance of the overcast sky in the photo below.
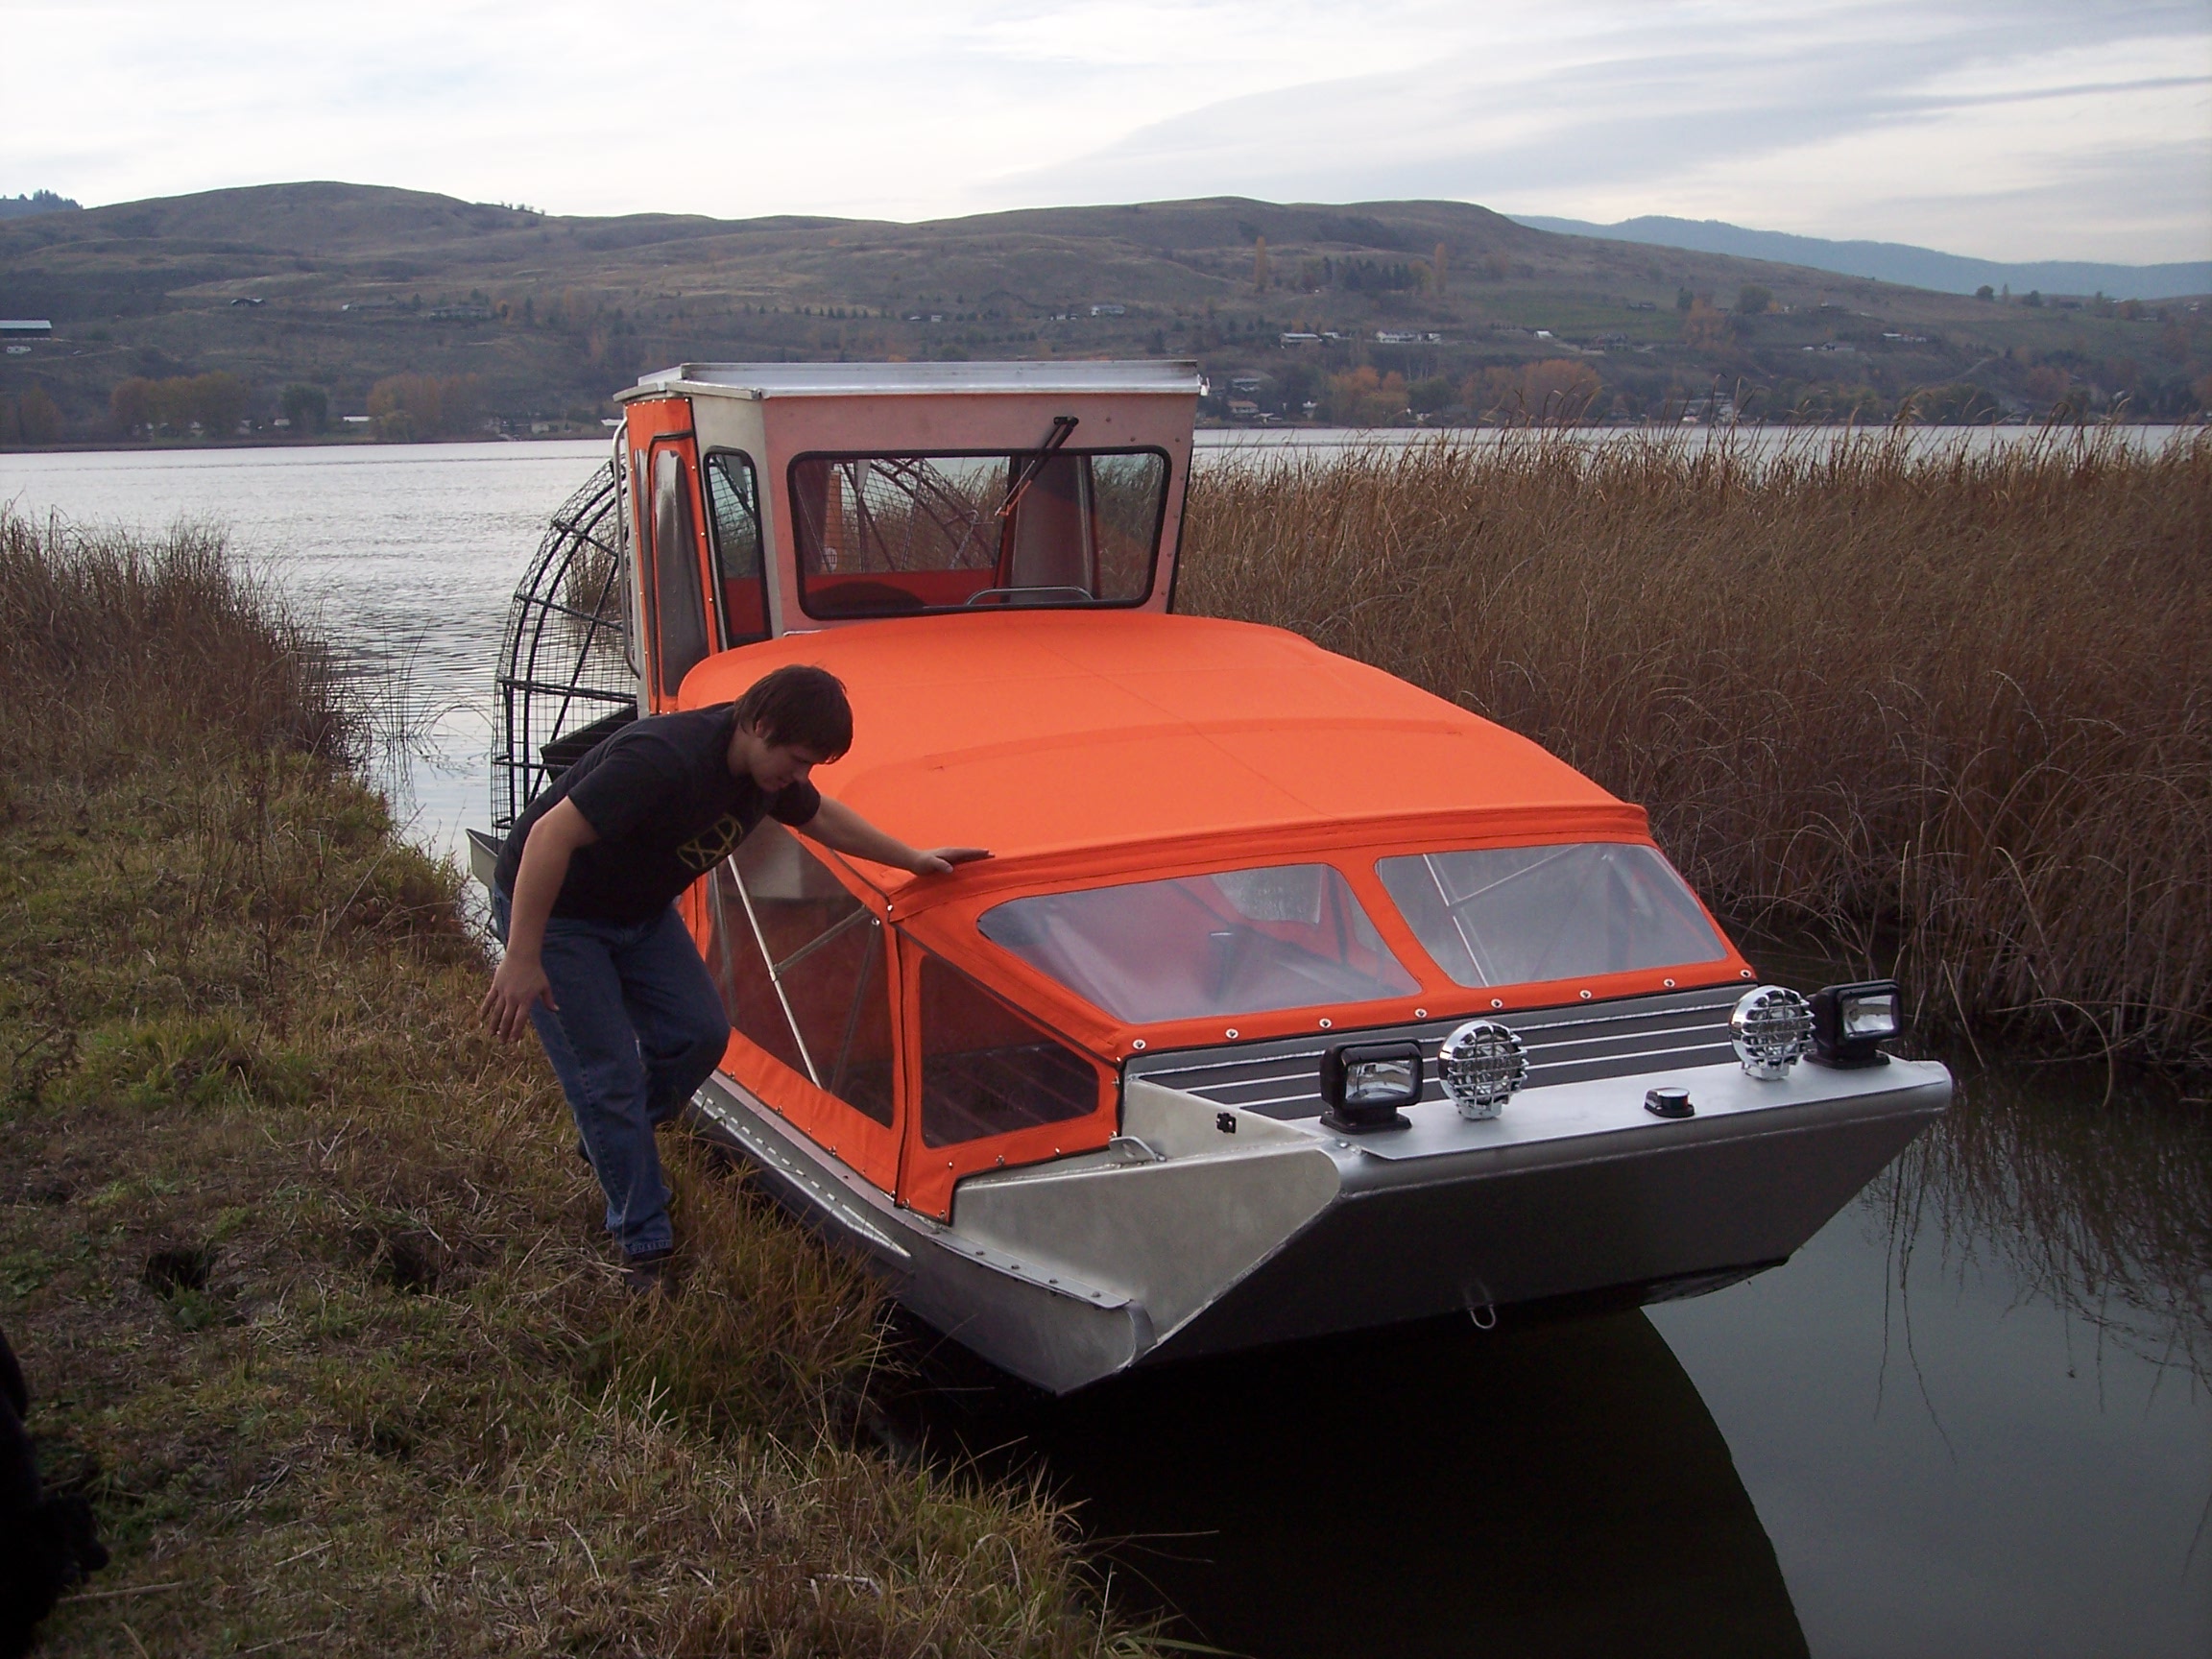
(2008, 129)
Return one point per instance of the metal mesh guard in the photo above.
(564, 661)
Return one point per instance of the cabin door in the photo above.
(673, 562)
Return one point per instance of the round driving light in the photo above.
(1773, 1028)
(1480, 1065)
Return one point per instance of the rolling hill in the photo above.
(1898, 262)
(341, 287)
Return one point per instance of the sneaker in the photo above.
(647, 1271)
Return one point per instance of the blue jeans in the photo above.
(636, 1028)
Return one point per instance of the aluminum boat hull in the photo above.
(1208, 1229)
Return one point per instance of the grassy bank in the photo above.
(1946, 715)
(304, 1276)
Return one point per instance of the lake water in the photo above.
(1973, 1416)
(406, 554)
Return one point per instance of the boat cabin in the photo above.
(791, 498)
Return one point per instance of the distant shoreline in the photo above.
(1388, 434)
(187, 446)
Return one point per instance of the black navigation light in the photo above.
(1668, 1101)
(1849, 1020)
(1365, 1084)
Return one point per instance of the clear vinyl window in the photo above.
(799, 963)
(890, 535)
(987, 1070)
(679, 620)
(1240, 942)
(1520, 915)
(733, 508)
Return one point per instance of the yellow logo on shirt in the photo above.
(711, 845)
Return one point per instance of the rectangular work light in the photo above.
(1850, 1021)
(1365, 1084)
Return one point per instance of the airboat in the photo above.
(1294, 1001)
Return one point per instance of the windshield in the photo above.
(890, 535)
(1241, 942)
(1520, 915)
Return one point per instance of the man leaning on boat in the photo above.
(597, 960)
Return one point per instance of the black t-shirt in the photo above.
(667, 811)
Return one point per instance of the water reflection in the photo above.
(1971, 1417)
(1558, 1488)
(1972, 1412)
(2090, 1191)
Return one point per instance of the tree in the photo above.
(1560, 389)
(306, 407)
(39, 418)
(1557, 390)
(1985, 292)
(1258, 262)
(1702, 327)
(2034, 297)
(1684, 299)
(2051, 391)
(1361, 397)
(412, 406)
(1960, 403)
(1428, 397)
(219, 400)
(1437, 266)
(1753, 300)
(131, 403)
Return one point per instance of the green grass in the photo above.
(305, 1279)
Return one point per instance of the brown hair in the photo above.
(799, 704)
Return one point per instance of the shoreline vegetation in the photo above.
(307, 1282)
(1943, 712)
(305, 1277)
(1842, 427)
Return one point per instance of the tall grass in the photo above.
(128, 644)
(1946, 712)
(308, 1284)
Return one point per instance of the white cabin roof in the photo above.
(758, 380)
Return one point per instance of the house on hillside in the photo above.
(19, 331)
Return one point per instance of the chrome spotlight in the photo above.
(1773, 1028)
(1480, 1065)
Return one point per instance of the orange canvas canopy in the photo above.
(1075, 745)
(1088, 749)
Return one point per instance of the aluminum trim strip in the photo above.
(1668, 1031)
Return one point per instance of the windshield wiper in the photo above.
(1063, 429)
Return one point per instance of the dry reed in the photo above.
(131, 643)
(1939, 711)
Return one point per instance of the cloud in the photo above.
(1942, 123)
